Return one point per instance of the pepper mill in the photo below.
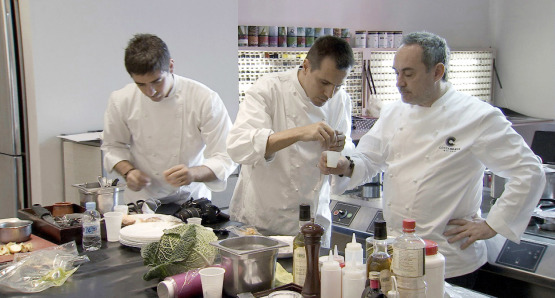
(312, 233)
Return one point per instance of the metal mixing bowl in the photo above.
(15, 231)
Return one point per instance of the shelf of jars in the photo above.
(372, 82)
(254, 63)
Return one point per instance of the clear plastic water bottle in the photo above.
(409, 251)
(91, 228)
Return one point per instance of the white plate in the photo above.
(285, 252)
(132, 243)
(146, 218)
(146, 232)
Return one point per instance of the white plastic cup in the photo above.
(112, 221)
(212, 280)
(194, 220)
(121, 208)
(333, 158)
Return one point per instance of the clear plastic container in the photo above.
(91, 228)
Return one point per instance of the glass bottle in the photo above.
(299, 253)
(380, 260)
(373, 288)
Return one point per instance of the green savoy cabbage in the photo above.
(180, 249)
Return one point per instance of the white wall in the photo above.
(464, 24)
(73, 52)
(524, 36)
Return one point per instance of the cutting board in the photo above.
(38, 244)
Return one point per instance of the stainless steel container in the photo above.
(15, 231)
(250, 263)
(105, 197)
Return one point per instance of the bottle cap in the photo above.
(431, 247)
(409, 224)
(90, 205)
(165, 289)
(330, 263)
(380, 231)
(354, 244)
(304, 212)
(337, 257)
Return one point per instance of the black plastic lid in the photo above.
(304, 212)
(380, 230)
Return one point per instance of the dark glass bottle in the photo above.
(372, 289)
(380, 260)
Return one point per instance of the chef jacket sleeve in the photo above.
(343, 116)
(215, 125)
(246, 143)
(116, 137)
(505, 153)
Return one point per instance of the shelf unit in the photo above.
(471, 71)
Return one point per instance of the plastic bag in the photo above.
(39, 270)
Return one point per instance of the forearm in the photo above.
(281, 140)
(123, 167)
(202, 174)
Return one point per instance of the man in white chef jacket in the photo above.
(165, 134)
(285, 122)
(433, 147)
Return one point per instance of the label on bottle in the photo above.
(299, 265)
(408, 262)
(90, 229)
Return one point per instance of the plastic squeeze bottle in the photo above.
(330, 278)
(354, 251)
(354, 280)
(435, 271)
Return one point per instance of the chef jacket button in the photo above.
(297, 166)
(157, 174)
(388, 204)
(390, 175)
(414, 181)
(407, 208)
(427, 157)
(400, 128)
(296, 189)
(175, 155)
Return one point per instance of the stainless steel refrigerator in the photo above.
(14, 181)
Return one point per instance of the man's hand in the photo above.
(477, 229)
(320, 132)
(179, 175)
(137, 180)
(339, 142)
(343, 166)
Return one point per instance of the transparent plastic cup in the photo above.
(333, 158)
(212, 280)
(112, 221)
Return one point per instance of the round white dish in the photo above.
(146, 232)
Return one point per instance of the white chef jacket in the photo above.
(269, 191)
(434, 160)
(187, 127)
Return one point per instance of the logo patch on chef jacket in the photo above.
(450, 141)
(450, 145)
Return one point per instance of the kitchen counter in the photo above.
(116, 271)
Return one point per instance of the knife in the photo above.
(43, 213)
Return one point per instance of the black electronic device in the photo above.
(344, 213)
(525, 256)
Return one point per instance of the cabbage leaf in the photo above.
(180, 249)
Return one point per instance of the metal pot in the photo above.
(550, 181)
(15, 231)
(105, 197)
(250, 263)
